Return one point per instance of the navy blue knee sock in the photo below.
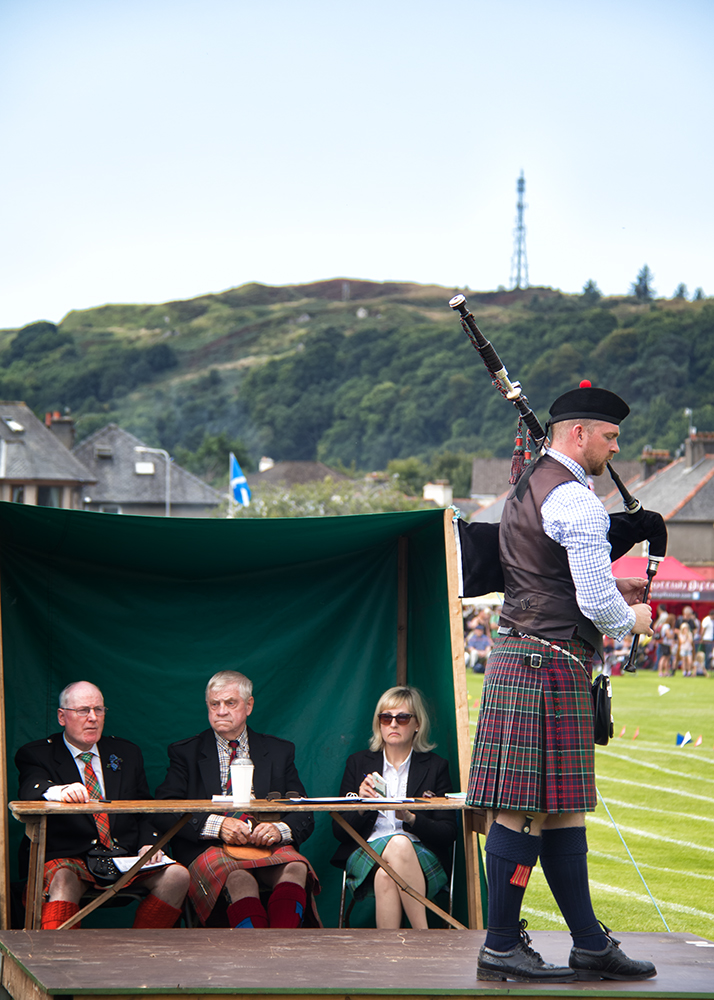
(509, 859)
(563, 858)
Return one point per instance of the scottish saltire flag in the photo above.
(240, 491)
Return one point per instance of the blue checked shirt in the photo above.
(575, 518)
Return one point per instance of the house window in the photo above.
(18, 494)
(110, 508)
(49, 496)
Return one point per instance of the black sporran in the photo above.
(101, 866)
(604, 728)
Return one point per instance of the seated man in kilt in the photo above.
(232, 855)
(76, 766)
(533, 758)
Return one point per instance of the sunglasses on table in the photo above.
(402, 719)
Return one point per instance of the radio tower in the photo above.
(519, 261)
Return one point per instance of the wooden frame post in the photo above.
(473, 821)
(402, 609)
(4, 818)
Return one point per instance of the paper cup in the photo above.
(241, 782)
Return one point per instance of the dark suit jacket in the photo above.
(47, 762)
(427, 772)
(194, 773)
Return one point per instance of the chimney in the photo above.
(653, 459)
(61, 427)
(697, 445)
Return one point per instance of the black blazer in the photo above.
(427, 772)
(47, 762)
(194, 773)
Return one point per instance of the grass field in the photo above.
(662, 799)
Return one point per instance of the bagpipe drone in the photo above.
(480, 564)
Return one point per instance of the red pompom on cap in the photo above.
(585, 384)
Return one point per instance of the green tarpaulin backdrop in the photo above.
(149, 608)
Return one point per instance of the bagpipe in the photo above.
(480, 563)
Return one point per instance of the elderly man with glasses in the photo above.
(78, 765)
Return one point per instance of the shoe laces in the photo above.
(526, 939)
(608, 934)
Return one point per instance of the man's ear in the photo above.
(249, 705)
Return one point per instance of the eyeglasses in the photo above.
(98, 710)
(402, 719)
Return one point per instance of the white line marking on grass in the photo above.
(651, 836)
(653, 868)
(662, 812)
(641, 898)
(677, 752)
(662, 770)
(656, 788)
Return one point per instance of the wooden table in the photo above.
(35, 814)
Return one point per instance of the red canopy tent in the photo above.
(674, 581)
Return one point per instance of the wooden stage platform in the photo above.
(353, 964)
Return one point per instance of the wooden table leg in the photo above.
(473, 825)
(395, 876)
(36, 831)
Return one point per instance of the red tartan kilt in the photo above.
(80, 869)
(534, 747)
(210, 870)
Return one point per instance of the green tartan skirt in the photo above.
(360, 868)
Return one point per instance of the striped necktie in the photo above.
(95, 792)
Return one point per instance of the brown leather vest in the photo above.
(540, 593)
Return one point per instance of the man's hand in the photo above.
(234, 831)
(75, 792)
(265, 835)
(643, 619)
(632, 588)
(159, 856)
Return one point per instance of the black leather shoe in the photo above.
(521, 963)
(611, 963)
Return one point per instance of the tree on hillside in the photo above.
(642, 288)
(33, 341)
(681, 291)
(411, 474)
(591, 293)
(698, 295)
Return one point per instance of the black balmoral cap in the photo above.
(589, 403)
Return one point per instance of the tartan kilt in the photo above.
(534, 748)
(360, 866)
(210, 870)
(78, 866)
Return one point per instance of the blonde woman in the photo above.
(417, 845)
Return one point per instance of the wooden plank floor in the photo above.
(328, 963)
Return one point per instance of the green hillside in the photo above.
(360, 373)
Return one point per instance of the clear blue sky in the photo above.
(160, 149)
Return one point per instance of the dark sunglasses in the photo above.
(402, 719)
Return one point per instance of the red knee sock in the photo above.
(155, 912)
(247, 912)
(55, 912)
(286, 905)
